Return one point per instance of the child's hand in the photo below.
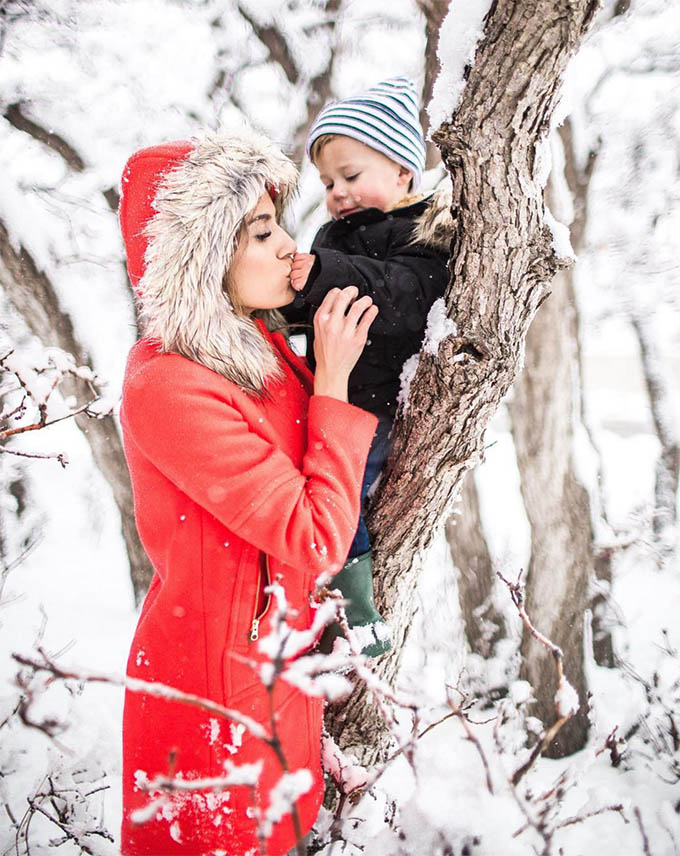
(302, 264)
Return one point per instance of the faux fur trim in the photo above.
(199, 207)
(434, 227)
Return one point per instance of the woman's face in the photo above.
(260, 272)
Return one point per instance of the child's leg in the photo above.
(355, 580)
(375, 462)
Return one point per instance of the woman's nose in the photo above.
(288, 248)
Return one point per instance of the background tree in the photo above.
(544, 407)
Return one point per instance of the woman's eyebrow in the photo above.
(258, 218)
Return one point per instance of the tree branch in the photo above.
(33, 295)
(272, 38)
(18, 119)
(434, 12)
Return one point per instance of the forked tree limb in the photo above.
(502, 262)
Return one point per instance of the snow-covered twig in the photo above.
(162, 787)
(59, 456)
(152, 688)
(69, 834)
(61, 801)
(38, 380)
(566, 698)
(580, 818)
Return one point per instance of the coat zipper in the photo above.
(254, 633)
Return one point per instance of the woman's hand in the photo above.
(340, 329)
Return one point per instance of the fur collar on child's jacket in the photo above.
(434, 226)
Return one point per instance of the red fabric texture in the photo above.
(221, 479)
(136, 203)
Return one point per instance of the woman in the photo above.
(245, 469)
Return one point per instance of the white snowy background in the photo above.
(111, 76)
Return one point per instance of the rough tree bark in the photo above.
(484, 624)
(32, 294)
(502, 264)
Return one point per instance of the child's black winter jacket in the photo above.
(399, 258)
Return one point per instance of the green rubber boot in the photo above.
(355, 581)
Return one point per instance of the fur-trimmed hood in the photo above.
(182, 205)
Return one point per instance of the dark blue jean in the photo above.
(377, 455)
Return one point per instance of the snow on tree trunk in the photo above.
(33, 296)
(502, 263)
(434, 12)
(578, 177)
(484, 625)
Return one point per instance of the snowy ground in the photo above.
(72, 595)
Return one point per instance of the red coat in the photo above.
(222, 479)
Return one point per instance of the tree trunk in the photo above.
(578, 178)
(502, 264)
(32, 294)
(659, 388)
(484, 625)
(542, 408)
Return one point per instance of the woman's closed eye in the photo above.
(262, 236)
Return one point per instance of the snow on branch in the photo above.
(162, 787)
(283, 797)
(566, 697)
(30, 398)
(136, 685)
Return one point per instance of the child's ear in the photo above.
(405, 177)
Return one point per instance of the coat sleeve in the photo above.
(403, 285)
(304, 517)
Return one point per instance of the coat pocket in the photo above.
(294, 723)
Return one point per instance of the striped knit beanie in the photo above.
(384, 117)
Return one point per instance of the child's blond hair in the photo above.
(318, 145)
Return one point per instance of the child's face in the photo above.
(357, 177)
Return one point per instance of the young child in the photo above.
(370, 154)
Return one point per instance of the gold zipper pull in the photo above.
(255, 630)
